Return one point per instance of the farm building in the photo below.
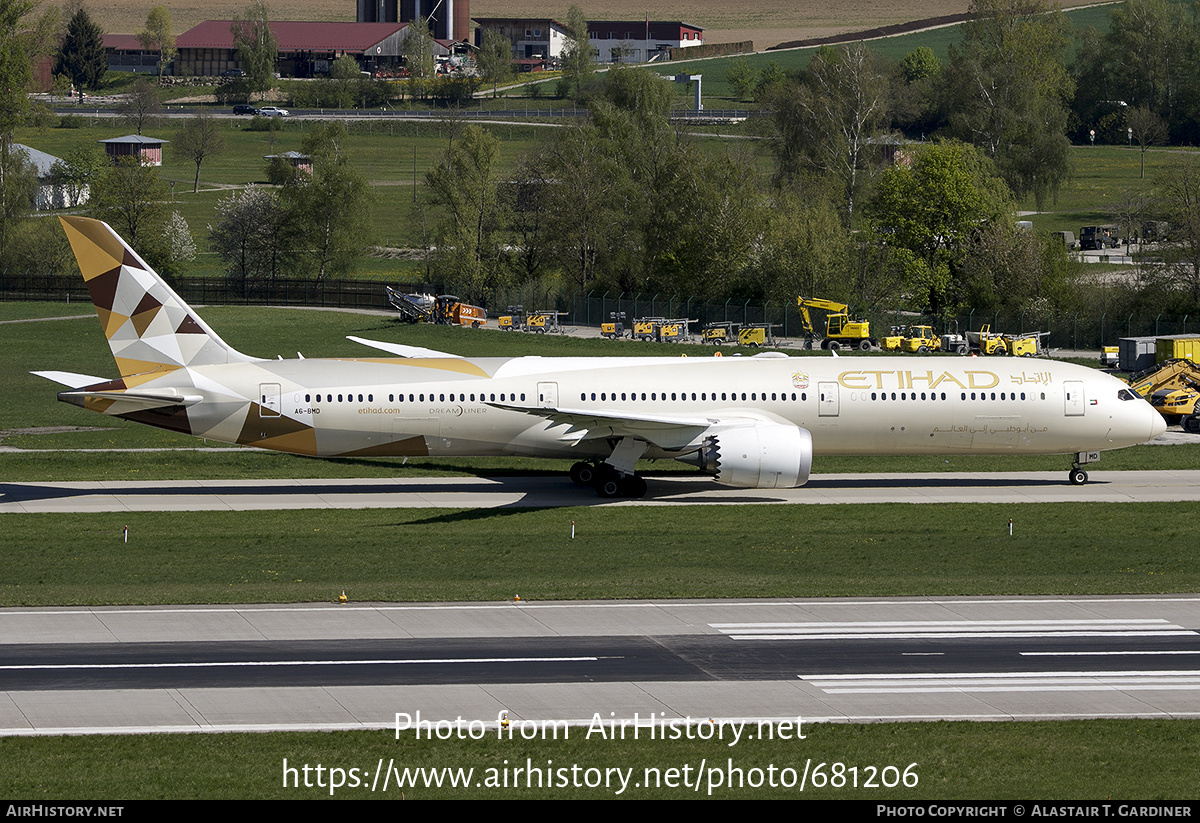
(630, 42)
(305, 49)
(531, 39)
(51, 193)
(298, 161)
(148, 150)
(640, 41)
(126, 53)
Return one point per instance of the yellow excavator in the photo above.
(840, 330)
(1172, 387)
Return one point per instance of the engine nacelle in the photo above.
(758, 456)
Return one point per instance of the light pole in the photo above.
(1129, 131)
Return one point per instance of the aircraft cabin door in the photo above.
(547, 395)
(268, 395)
(828, 393)
(1073, 398)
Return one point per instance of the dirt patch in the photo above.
(50, 430)
(766, 22)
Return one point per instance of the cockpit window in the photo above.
(1128, 394)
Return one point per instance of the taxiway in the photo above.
(556, 491)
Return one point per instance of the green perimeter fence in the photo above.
(1077, 331)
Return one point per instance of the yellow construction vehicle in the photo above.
(718, 333)
(664, 329)
(450, 311)
(1173, 388)
(922, 339)
(443, 309)
(984, 342)
(754, 335)
(840, 330)
(540, 322)
(615, 329)
(645, 328)
(1025, 345)
(514, 320)
(894, 341)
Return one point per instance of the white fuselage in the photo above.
(850, 405)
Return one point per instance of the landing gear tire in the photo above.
(611, 483)
(1078, 476)
(583, 474)
(608, 481)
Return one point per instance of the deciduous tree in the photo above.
(928, 213)
(1178, 191)
(159, 36)
(199, 139)
(826, 121)
(495, 59)
(464, 186)
(140, 105)
(131, 198)
(257, 48)
(327, 212)
(1008, 91)
(578, 60)
(250, 235)
(417, 50)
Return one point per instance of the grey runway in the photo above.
(553, 491)
(318, 666)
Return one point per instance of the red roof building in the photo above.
(305, 48)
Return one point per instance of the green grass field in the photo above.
(1122, 759)
(632, 552)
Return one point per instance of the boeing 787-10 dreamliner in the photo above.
(753, 422)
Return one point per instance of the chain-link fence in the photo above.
(1075, 331)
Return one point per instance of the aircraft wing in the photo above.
(590, 424)
(400, 349)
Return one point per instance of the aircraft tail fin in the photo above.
(150, 329)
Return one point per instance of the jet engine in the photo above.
(758, 456)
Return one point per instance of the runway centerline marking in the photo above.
(232, 663)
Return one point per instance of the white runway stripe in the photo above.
(1004, 682)
(238, 663)
(941, 629)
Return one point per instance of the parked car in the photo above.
(244, 108)
(273, 111)
(233, 73)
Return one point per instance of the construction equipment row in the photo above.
(658, 329)
(536, 322)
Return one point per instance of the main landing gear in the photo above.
(607, 480)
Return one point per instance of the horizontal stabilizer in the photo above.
(128, 401)
(400, 350)
(70, 379)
